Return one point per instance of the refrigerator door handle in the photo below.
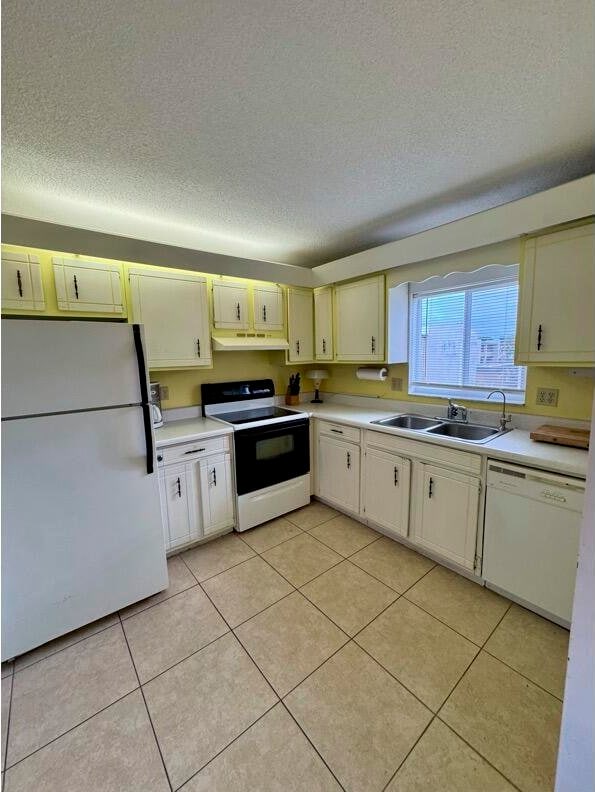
(144, 394)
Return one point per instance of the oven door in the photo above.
(268, 455)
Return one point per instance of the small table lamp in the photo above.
(317, 375)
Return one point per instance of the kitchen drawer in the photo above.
(186, 452)
(428, 452)
(340, 431)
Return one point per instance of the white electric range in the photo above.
(271, 449)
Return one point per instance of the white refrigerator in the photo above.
(81, 526)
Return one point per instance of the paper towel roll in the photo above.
(374, 374)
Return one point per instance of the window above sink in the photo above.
(462, 335)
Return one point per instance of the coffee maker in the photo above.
(155, 399)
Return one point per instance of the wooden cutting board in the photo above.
(561, 435)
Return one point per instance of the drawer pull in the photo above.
(337, 431)
(195, 451)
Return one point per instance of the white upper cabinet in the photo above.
(230, 305)
(175, 312)
(445, 513)
(88, 286)
(323, 323)
(556, 316)
(300, 325)
(22, 287)
(359, 318)
(268, 306)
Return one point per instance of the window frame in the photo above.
(467, 282)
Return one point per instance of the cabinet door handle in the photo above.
(396, 469)
(179, 484)
(76, 287)
(238, 313)
(297, 347)
(324, 346)
(348, 460)
(198, 346)
(539, 334)
(373, 345)
(195, 451)
(159, 458)
(215, 477)
(19, 283)
(337, 431)
(264, 313)
(431, 487)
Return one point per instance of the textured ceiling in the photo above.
(290, 131)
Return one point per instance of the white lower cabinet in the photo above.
(445, 513)
(179, 512)
(339, 472)
(197, 497)
(385, 490)
(216, 493)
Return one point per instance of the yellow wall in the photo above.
(184, 386)
(575, 396)
(574, 399)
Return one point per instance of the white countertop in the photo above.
(514, 446)
(189, 429)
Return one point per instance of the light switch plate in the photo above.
(547, 396)
(396, 383)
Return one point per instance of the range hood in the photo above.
(248, 342)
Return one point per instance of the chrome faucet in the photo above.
(456, 412)
(504, 419)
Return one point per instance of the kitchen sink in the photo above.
(471, 433)
(462, 431)
(408, 422)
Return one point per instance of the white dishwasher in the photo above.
(531, 537)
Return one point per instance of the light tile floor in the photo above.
(309, 654)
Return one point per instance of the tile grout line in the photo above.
(471, 663)
(72, 728)
(229, 744)
(8, 723)
(409, 752)
(314, 748)
(520, 673)
(279, 699)
(146, 707)
(154, 604)
(478, 752)
(63, 648)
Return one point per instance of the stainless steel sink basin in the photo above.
(471, 433)
(416, 422)
(461, 431)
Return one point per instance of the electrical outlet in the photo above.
(547, 396)
(396, 383)
(164, 392)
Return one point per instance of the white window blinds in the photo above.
(462, 335)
